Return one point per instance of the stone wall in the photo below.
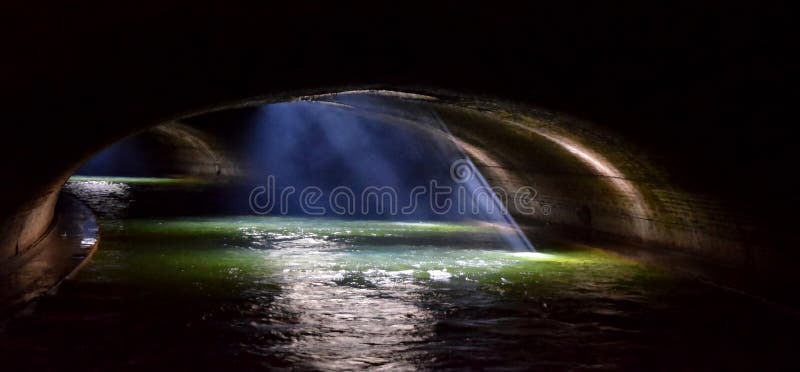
(22, 229)
(587, 181)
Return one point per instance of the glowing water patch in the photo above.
(439, 275)
(129, 180)
(539, 256)
(257, 227)
(88, 242)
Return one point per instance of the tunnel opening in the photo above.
(347, 159)
(508, 184)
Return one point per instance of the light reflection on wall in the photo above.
(637, 206)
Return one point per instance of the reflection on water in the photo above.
(110, 197)
(240, 292)
(345, 317)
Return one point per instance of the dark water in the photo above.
(201, 291)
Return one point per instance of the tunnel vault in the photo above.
(588, 183)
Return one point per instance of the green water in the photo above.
(353, 293)
(219, 292)
(220, 254)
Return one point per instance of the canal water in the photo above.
(178, 283)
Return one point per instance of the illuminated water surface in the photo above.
(232, 291)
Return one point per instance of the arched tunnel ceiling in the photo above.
(663, 88)
(81, 81)
(589, 178)
(584, 177)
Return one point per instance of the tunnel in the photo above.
(549, 187)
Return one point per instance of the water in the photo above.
(207, 291)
